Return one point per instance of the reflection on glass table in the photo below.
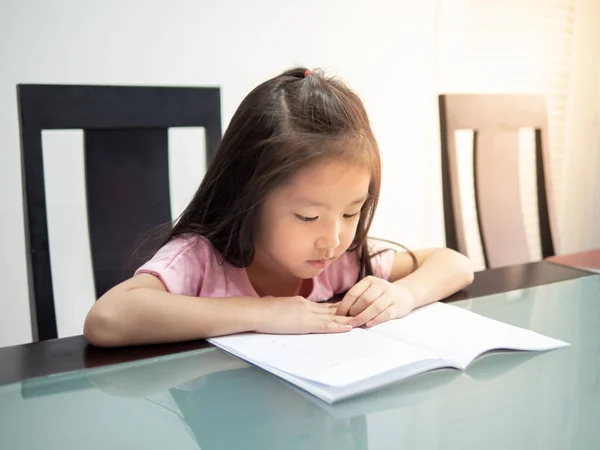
(210, 400)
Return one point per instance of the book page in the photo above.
(461, 335)
(330, 359)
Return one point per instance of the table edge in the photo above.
(39, 359)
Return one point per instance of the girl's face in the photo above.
(306, 224)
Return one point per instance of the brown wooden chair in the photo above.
(495, 120)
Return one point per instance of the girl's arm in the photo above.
(141, 311)
(441, 272)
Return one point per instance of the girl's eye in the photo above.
(306, 219)
(350, 216)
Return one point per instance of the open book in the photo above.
(338, 366)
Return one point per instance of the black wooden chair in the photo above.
(126, 172)
(496, 119)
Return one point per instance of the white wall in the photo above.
(383, 49)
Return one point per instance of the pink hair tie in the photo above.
(307, 73)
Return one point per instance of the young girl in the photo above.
(278, 226)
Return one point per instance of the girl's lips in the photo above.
(320, 263)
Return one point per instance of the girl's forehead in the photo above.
(330, 178)
(331, 171)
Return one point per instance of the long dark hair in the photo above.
(287, 123)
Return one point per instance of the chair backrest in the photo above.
(495, 120)
(126, 172)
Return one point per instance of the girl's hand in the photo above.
(374, 300)
(296, 315)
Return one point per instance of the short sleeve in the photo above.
(180, 265)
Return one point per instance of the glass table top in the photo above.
(209, 400)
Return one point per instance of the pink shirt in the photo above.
(189, 266)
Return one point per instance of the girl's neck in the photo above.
(276, 284)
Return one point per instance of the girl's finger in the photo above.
(333, 307)
(385, 315)
(324, 308)
(366, 299)
(351, 296)
(333, 324)
(382, 304)
(340, 319)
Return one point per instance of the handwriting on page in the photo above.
(333, 359)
